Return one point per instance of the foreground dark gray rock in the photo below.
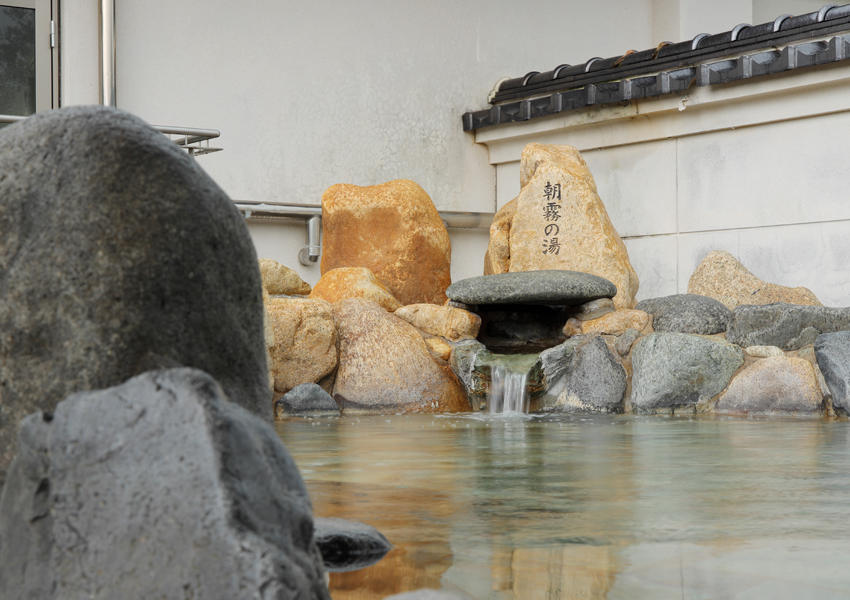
(118, 255)
(674, 370)
(567, 288)
(833, 355)
(158, 488)
(349, 545)
(686, 313)
(306, 399)
(787, 326)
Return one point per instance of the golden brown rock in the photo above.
(278, 279)
(497, 259)
(612, 323)
(722, 277)
(305, 342)
(439, 348)
(385, 365)
(394, 230)
(451, 323)
(560, 223)
(354, 282)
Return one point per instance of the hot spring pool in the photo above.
(617, 507)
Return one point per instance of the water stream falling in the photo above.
(509, 383)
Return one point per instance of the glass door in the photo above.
(26, 57)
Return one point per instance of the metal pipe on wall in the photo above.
(107, 52)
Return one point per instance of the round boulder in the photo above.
(775, 385)
(687, 313)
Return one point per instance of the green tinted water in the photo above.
(615, 507)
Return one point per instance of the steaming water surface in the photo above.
(618, 507)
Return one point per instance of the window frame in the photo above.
(46, 55)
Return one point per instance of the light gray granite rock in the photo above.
(306, 399)
(596, 381)
(773, 385)
(787, 326)
(567, 288)
(833, 355)
(118, 255)
(686, 313)
(349, 545)
(158, 488)
(672, 370)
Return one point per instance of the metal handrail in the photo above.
(195, 141)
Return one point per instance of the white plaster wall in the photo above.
(309, 94)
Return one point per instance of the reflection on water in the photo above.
(587, 506)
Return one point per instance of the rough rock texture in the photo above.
(723, 278)
(385, 365)
(305, 342)
(349, 545)
(625, 342)
(453, 324)
(438, 348)
(594, 309)
(686, 313)
(463, 360)
(833, 355)
(158, 488)
(560, 223)
(306, 399)
(780, 384)
(676, 369)
(613, 323)
(497, 259)
(268, 337)
(278, 279)
(354, 282)
(394, 230)
(118, 255)
(566, 288)
(763, 351)
(595, 381)
(787, 326)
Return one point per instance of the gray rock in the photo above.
(306, 399)
(677, 369)
(787, 326)
(463, 361)
(118, 255)
(774, 385)
(158, 488)
(349, 545)
(567, 288)
(833, 355)
(686, 313)
(625, 342)
(596, 382)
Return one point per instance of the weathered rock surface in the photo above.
(158, 488)
(306, 399)
(833, 355)
(780, 384)
(268, 337)
(278, 279)
(594, 309)
(787, 326)
(687, 313)
(723, 278)
(566, 288)
(438, 347)
(349, 545)
(392, 229)
(453, 324)
(464, 359)
(625, 342)
(385, 365)
(560, 223)
(763, 351)
(595, 381)
(354, 282)
(305, 341)
(671, 370)
(613, 323)
(497, 259)
(118, 255)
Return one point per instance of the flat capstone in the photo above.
(552, 288)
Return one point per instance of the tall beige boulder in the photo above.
(559, 222)
(722, 277)
(385, 365)
(354, 282)
(392, 229)
(305, 342)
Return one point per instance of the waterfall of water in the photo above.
(508, 390)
